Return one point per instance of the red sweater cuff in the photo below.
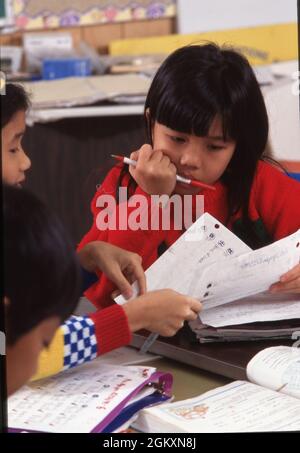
(111, 328)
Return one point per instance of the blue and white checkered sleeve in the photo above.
(80, 343)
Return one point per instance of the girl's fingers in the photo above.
(291, 286)
(135, 273)
(157, 156)
(291, 274)
(140, 276)
(166, 160)
(196, 305)
(134, 155)
(172, 167)
(115, 275)
(192, 316)
(145, 154)
(115, 294)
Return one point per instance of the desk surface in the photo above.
(188, 381)
(215, 363)
(228, 360)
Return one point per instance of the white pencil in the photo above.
(191, 182)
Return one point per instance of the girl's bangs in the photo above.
(186, 116)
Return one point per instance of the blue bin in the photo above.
(59, 68)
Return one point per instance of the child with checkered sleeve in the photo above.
(79, 339)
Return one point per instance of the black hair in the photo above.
(41, 272)
(196, 83)
(14, 100)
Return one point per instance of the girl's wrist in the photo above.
(135, 311)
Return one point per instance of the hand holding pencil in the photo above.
(155, 173)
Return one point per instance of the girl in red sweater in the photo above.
(206, 120)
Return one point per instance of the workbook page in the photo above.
(75, 401)
(236, 407)
(277, 368)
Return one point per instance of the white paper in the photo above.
(205, 242)
(75, 401)
(218, 268)
(258, 308)
(236, 407)
(248, 274)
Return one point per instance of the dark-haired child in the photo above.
(80, 338)
(206, 120)
(42, 281)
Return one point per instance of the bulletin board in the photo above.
(31, 14)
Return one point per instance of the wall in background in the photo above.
(195, 16)
(100, 36)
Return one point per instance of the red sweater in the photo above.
(274, 206)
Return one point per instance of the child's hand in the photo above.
(162, 312)
(289, 282)
(154, 172)
(120, 266)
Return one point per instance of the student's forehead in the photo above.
(16, 126)
(19, 120)
(215, 129)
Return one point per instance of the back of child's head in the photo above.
(41, 272)
(198, 83)
(14, 100)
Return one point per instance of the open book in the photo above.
(97, 397)
(212, 264)
(270, 402)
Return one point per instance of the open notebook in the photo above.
(270, 402)
(96, 397)
(210, 263)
